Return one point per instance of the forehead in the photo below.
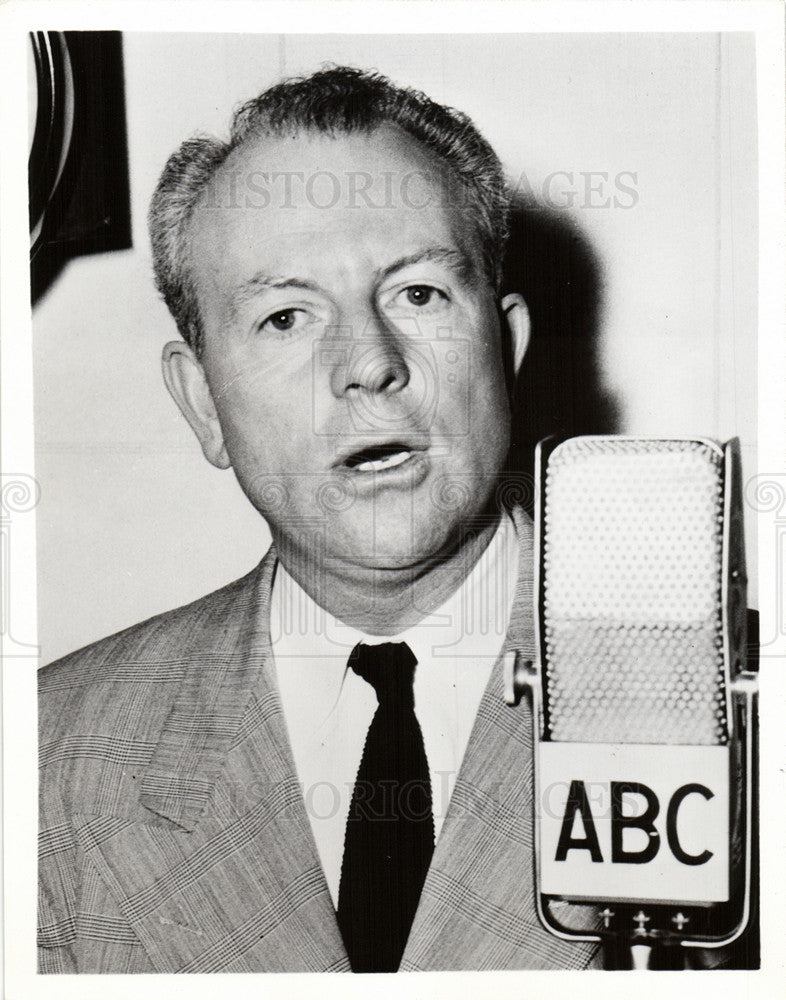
(323, 202)
(386, 166)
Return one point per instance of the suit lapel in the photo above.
(478, 909)
(224, 875)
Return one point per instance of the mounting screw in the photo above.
(680, 920)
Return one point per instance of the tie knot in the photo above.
(389, 668)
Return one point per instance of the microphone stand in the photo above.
(640, 956)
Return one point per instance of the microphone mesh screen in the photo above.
(631, 592)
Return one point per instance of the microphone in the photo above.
(643, 707)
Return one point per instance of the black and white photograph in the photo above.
(392, 534)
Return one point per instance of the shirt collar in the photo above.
(471, 623)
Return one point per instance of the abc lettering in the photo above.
(577, 804)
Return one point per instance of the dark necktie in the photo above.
(390, 828)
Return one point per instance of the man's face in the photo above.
(352, 369)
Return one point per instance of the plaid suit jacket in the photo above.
(174, 835)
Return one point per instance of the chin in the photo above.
(401, 549)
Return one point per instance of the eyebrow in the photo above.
(455, 260)
(248, 290)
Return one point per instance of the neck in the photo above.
(387, 601)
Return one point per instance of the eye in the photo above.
(423, 295)
(284, 321)
(425, 298)
(419, 295)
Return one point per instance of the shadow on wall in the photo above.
(560, 387)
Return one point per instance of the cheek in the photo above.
(491, 416)
(487, 381)
(267, 428)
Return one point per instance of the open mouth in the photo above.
(379, 458)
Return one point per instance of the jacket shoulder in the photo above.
(141, 643)
(154, 653)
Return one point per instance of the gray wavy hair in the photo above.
(334, 100)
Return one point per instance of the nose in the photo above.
(369, 358)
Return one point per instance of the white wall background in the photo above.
(133, 521)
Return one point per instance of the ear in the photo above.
(185, 378)
(514, 312)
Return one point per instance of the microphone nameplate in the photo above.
(644, 823)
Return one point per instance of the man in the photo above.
(212, 778)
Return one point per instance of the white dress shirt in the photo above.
(328, 708)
